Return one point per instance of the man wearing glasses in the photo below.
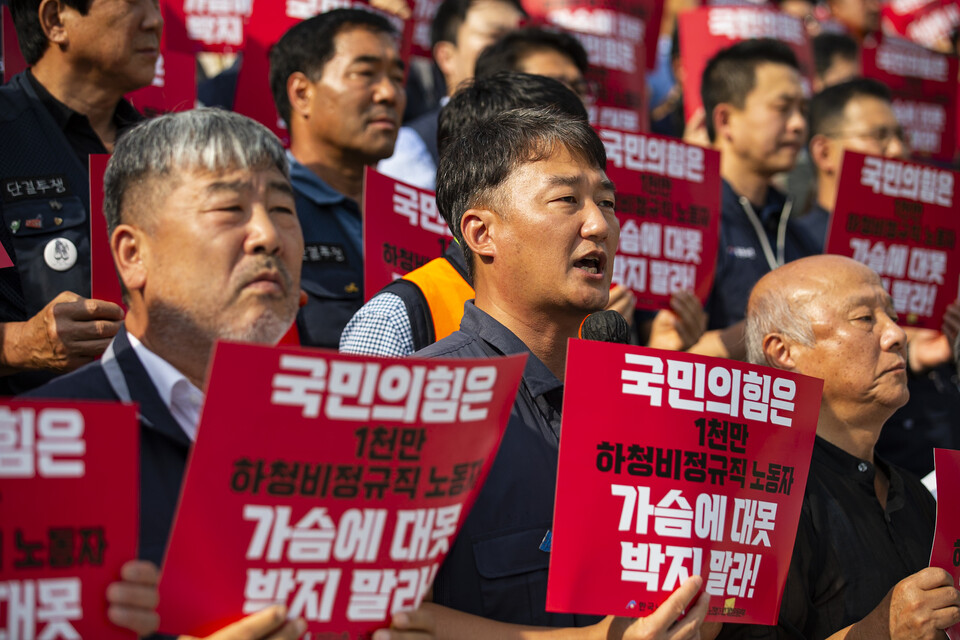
(856, 115)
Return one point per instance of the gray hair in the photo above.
(773, 312)
(204, 139)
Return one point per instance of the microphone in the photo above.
(605, 326)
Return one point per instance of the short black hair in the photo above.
(481, 98)
(478, 160)
(26, 20)
(308, 46)
(506, 53)
(826, 48)
(451, 14)
(731, 74)
(826, 108)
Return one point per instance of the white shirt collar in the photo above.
(182, 397)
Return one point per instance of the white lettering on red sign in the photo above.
(314, 591)
(610, 53)
(41, 609)
(899, 179)
(359, 392)
(744, 24)
(934, 27)
(691, 387)
(904, 58)
(48, 443)
(375, 593)
(669, 158)
(419, 208)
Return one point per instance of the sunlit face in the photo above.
(357, 103)
(553, 64)
(222, 254)
(859, 350)
(555, 236)
(485, 22)
(859, 16)
(871, 126)
(118, 40)
(770, 129)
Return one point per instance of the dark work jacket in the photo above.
(495, 567)
(163, 444)
(427, 127)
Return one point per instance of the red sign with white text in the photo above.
(104, 282)
(335, 487)
(191, 26)
(69, 504)
(668, 204)
(924, 88)
(705, 31)
(617, 23)
(402, 230)
(927, 22)
(900, 219)
(674, 465)
(268, 22)
(946, 540)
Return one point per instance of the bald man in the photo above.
(866, 528)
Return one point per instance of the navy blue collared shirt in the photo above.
(816, 222)
(332, 257)
(740, 258)
(495, 567)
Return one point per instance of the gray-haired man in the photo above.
(206, 241)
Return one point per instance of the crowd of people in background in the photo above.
(218, 232)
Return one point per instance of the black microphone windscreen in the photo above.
(605, 326)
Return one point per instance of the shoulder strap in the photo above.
(418, 311)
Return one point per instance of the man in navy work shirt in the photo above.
(84, 55)
(526, 196)
(754, 116)
(337, 81)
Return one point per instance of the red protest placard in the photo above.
(899, 218)
(104, 282)
(11, 60)
(672, 465)
(927, 22)
(423, 14)
(705, 31)
(668, 204)
(402, 230)
(174, 86)
(924, 88)
(69, 491)
(219, 26)
(267, 23)
(946, 540)
(616, 22)
(336, 486)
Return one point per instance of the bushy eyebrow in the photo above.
(575, 181)
(377, 60)
(236, 186)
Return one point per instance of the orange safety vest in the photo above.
(445, 291)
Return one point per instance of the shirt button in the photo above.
(862, 467)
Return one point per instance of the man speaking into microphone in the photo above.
(526, 196)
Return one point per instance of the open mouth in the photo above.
(590, 264)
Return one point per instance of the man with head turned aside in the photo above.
(859, 566)
(83, 56)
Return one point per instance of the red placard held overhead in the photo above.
(946, 540)
(927, 22)
(423, 13)
(69, 492)
(402, 230)
(705, 31)
(269, 20)
(668, 204)
(219, 26)
(104, 282)
(673, 465)
(335, 487)
(924, 88)
(11, 58)
(900, 219)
